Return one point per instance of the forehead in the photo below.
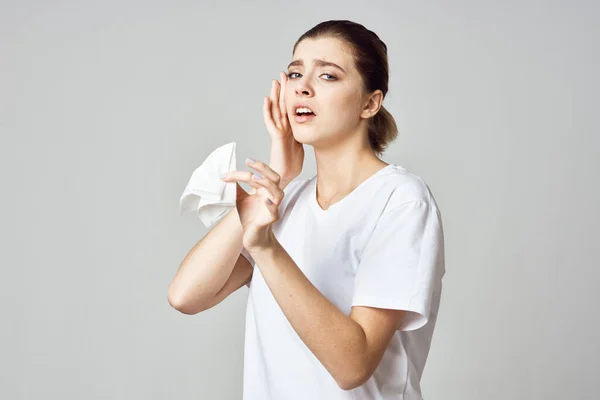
(327, 49)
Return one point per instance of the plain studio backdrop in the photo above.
(107, 108)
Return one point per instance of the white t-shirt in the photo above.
(380, 246)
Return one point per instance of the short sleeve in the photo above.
(403, 263)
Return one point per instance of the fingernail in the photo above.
(269, 202)
(256, 177)
(250, 160)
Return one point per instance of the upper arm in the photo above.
(402, 265)
(398, 277)
(241, 274)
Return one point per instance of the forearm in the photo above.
(208, 265)
(333, 337)
(278, 162)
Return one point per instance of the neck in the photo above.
(343, 166)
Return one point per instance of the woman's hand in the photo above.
(287, 154)
(259, 210)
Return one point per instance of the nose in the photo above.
(302, 88)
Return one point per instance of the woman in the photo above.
(344, 268)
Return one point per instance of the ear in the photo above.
(372, 105)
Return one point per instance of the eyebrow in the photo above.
(317, 62)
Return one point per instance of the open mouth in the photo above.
(304, 115)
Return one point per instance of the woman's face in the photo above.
(335, 95)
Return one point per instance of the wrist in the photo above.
(284, 179)
(283, 183)
(266, 245)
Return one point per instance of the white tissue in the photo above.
(206, 193)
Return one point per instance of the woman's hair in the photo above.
(370, 57)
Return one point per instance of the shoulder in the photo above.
(407, 188)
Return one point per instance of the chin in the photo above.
(304, 134)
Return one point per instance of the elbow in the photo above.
(354, 380)
(358, 367)
(178, 301)
(350, 384)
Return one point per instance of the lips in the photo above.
(304, 118)
(303, 105)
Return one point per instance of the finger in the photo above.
(241, 176)
(285, 122)
(264, 169)
(273, 190)
(271, 206)
(282, 108)
(275, 104)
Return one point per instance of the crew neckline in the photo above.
(332, 207)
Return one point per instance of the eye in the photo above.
(332, 77)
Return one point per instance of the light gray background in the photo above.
(107, 108)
